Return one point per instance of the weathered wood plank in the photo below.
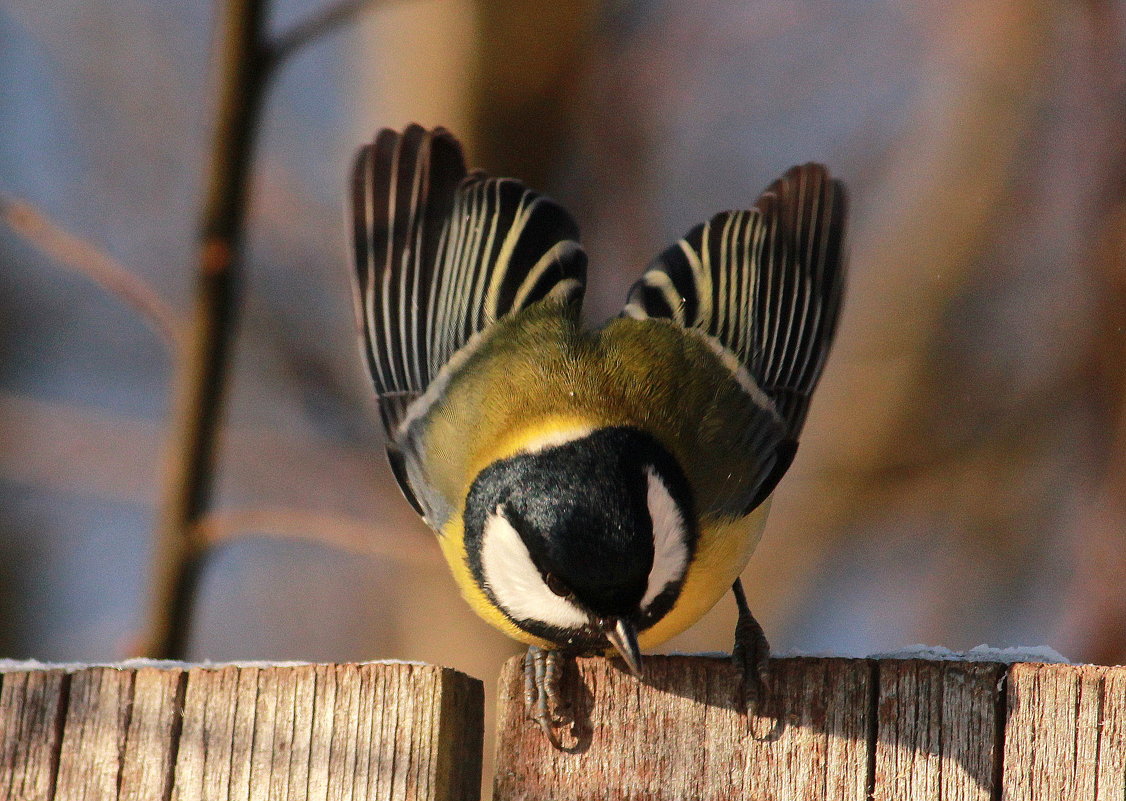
(264, 720)
(902, 730)
(345, 735)
(97, 718)
(292, 733)
(320, 741)
(681, 734)
(287, 735)
(329, 731)
(242, 751)
(1112, 745)
(936, 730)
(152, 736)
(456, 743)
(32, 704)
(1066, 733)
(205, 755)
(818, 742)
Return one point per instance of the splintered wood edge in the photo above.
(461, 737)
(173, 731)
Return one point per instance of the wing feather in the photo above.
(764, 285)
(440, 254)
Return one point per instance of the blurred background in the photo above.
(962, 478)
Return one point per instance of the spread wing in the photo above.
(439, 255)
(765, 286)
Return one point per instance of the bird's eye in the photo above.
(556, 586)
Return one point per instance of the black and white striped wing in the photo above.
(766, 285)
(441, 254)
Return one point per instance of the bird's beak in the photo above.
(623, 636)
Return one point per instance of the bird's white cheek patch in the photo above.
(670, 553)
(515, 581)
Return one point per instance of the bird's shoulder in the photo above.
(509, 386)
(539, 376)
(682, 387)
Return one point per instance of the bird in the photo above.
(594, 490)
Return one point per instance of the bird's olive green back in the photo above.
(539, 372)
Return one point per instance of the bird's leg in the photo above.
(751, 653)
(541, 691)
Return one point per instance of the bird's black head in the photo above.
(580, 539)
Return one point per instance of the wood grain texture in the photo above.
(1066, 733)
(681, 733)
(936, 730)
(891, 730)
(840, 729)
(154, 731)
(31, 715)
(1112, 745)
(330, 731)
(97, 718)
(342, 732)
(205, 755)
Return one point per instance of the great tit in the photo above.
(595, 490)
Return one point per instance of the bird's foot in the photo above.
(751, 654)
(542, 701)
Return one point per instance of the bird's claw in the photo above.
(751, 655)
(542, 700)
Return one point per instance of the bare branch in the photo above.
(324, 528)
(323, 21)
(202, 377)
(82, 257)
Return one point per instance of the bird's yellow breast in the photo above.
(453, 533)
(721, 554)
(453, 548)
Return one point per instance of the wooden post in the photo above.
(310, 732)
(841, 729)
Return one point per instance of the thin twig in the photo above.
(319, 23)
(91, 262)
(247, 60)
(331, 530)
(202, 378)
